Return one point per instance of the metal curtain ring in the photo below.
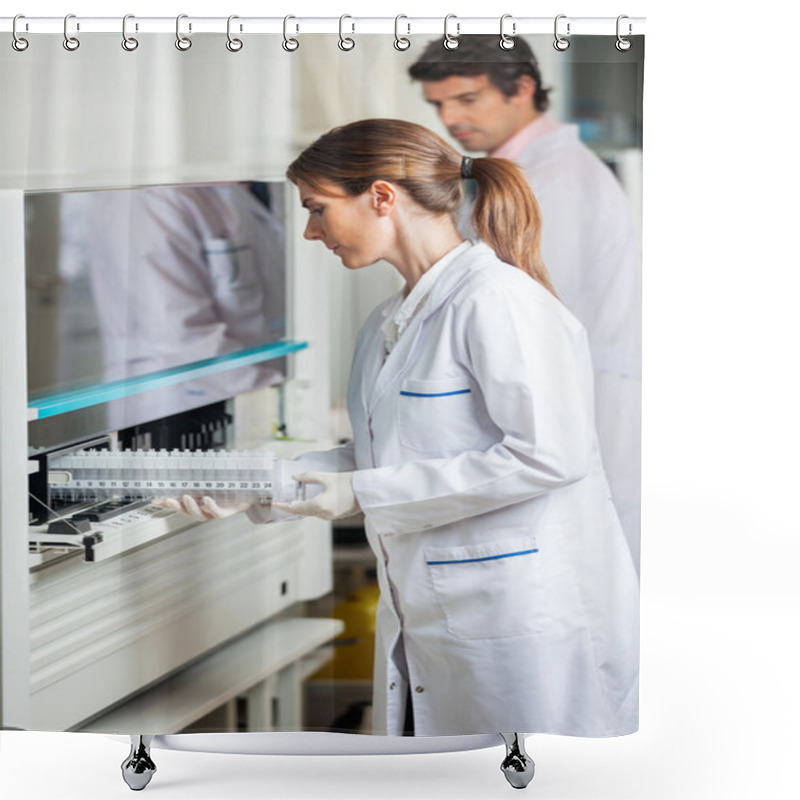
(18, 43)
(622, 44)
(400, 42)
(451, 42)
(182, 42)
(289, 44)
(506, 42)
(70, 42)
(233, 44)
(345, 42)
(128, 42)
(560, 43)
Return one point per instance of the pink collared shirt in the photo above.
(512, 148)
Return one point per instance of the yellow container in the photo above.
(354, 648)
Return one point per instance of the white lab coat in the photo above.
(179, 274)
(509, 599)
(590, 248)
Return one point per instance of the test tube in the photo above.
(75, 472)
(91, 475)
(124, 472)
(227, 477)
(210, 473)
(150, 485)
(117, 462)
(101, 472)
(248, 476)
(159, 481)
(196, 471)
(58, 492)
(267, 468)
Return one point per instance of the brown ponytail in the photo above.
(506, 215)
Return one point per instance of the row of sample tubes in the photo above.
(227, 476)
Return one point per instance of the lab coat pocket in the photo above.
(437, 417)
(489, 591)
(230, 264)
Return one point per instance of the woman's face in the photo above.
(348, 225)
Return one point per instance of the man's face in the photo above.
(476, 112)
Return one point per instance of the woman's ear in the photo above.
(384, 197)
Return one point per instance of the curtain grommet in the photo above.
(233, 44)
(19, 43)
(70, 43)
(560, 43)
(129, 43)
(623, 44)
(290, 44)
(401, 43)
(507, 42)
(450, 42)
(346, 43)
(183, 43)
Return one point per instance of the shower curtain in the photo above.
(148, 228)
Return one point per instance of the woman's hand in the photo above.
(206, 508)
(337, 499)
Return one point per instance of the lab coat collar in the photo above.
(451, 279)
(400, 357)
(404, 309)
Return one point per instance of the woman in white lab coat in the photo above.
(509, 599)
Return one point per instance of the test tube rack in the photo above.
(226, 476)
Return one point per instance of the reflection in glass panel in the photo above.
(132, 281)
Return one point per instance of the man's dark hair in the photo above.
(481, 54)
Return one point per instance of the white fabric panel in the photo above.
(153, 116)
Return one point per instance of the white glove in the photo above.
(336, 500)
(206, 509)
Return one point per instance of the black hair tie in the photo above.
(466, 167)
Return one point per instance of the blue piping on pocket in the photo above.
(485, 558)
(440, 394)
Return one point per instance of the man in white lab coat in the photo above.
(493, 100)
